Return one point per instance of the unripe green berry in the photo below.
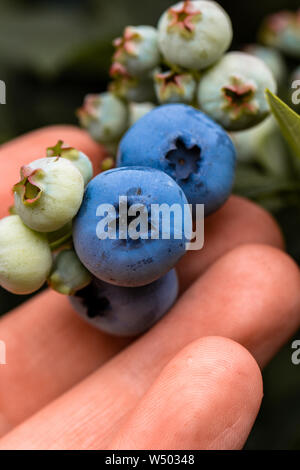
(25, 257)
(68, 275)
(104, 116)
(138, 110)
(272, 58)
(194, 34)
(249, 143)
(232, 92)
(49, 194)
(79, 159)
(172, 87)
(137, 50)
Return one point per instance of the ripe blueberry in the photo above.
(123, 311)
(103, 239)
(181, 141)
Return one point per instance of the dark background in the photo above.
(54, 52)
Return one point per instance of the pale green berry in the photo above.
(104, 116)
(68, 275)
(138, 110)
(248, 143)
(272, 58)
(232, 92)
(79, 159)
(173, 87)
(25, 257)
(137, 50)
(49, 194)
(194, 34)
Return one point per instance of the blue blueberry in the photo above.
(123, 311)
(195, 151)
(125, 261)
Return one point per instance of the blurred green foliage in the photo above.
(53, 52)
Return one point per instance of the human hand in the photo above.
(192, 382)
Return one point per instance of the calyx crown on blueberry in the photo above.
(127, 43)
(28, 188)
(182, 18)
(239, 97)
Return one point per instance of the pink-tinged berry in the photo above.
(282, 30)
(233, 91)
(49, 194)
(173, 87)
(104, 116)
(194, 34)
(137, 50)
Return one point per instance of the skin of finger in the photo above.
(49, 314)
(32, 146)
(207, 397)
(239, 222)
(48, 350)
(251, 295)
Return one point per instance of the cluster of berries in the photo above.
(173, 155)
(183, 60)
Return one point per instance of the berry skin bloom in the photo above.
(104, 116)
(121, 258)
(126, 311)
(137, 50)
(184, 143)
(172, 87)
(49, 194)
(233, 91)
(194, 35)
(79, 159)
(68, 275)
(25, 257)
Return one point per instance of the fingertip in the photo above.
(207, 397)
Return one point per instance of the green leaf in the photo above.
(288, 120)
